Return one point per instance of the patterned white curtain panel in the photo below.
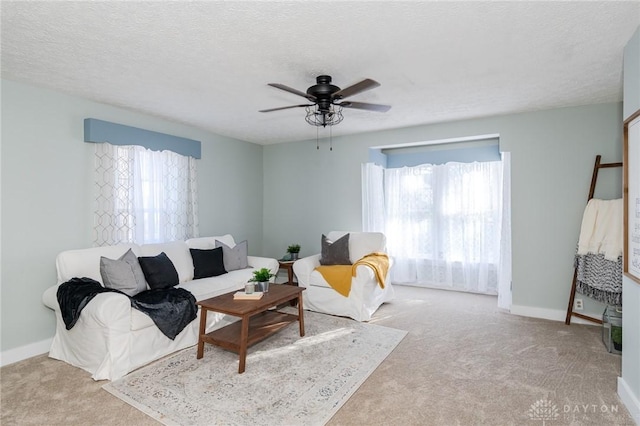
(143, 196)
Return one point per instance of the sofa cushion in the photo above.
(207, 263)
(234, 258)
(159, 271)
(209, 242)
(214, 286)
(124, 274)
(178, 252)
(316, 279)
(361, 243)
(335, 252)
(86, 262)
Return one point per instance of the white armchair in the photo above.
(365, 296)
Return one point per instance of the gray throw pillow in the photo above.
(234, 258)
(124, 274)
(336, 252)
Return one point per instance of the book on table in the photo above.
(241, 295)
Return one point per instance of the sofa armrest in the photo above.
(100, 341)
(105, 309)
(365, 274)
(304, 267)
(257, 262)
(50, 298)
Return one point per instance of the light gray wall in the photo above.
(281, 194)
(309, 192)
(46, 180)
(631, 72)
(631, 289)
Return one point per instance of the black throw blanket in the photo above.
(170, 309)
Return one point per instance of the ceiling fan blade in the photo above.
(287, 107)
(365, 84)
(367, 106)
(292, 90)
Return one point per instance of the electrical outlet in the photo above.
(577, 305)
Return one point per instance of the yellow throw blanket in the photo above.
(339, 276)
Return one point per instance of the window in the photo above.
(444, 223)
(143, 196)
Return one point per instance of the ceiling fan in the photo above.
(326, 109)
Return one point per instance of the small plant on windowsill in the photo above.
(294, 250)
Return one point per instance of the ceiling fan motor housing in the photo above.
(323, 92)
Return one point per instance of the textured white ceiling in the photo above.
(207, 64)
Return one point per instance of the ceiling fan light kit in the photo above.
(318, 117)
(326, 109)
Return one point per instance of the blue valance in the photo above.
(99, 131)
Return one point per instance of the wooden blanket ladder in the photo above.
(594, 178)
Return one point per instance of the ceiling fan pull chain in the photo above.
(331, 138)
(317, 141)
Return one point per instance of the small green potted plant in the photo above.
(294, 250)
(616, 337)
(261, 277)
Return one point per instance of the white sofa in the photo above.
(110, 338)
(366, 295)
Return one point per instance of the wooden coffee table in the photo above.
(258, 321)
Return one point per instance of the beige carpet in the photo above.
(462, 362)
(289, 380)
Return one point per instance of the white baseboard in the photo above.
(550, 314)
(629, 400)
(23, 352)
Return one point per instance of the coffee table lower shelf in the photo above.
(258, 320)
(261, 326)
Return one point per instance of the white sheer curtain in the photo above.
(504, 269)
(143, 196)
(447, 226)
(372, 198)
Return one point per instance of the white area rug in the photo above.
(288, 380)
